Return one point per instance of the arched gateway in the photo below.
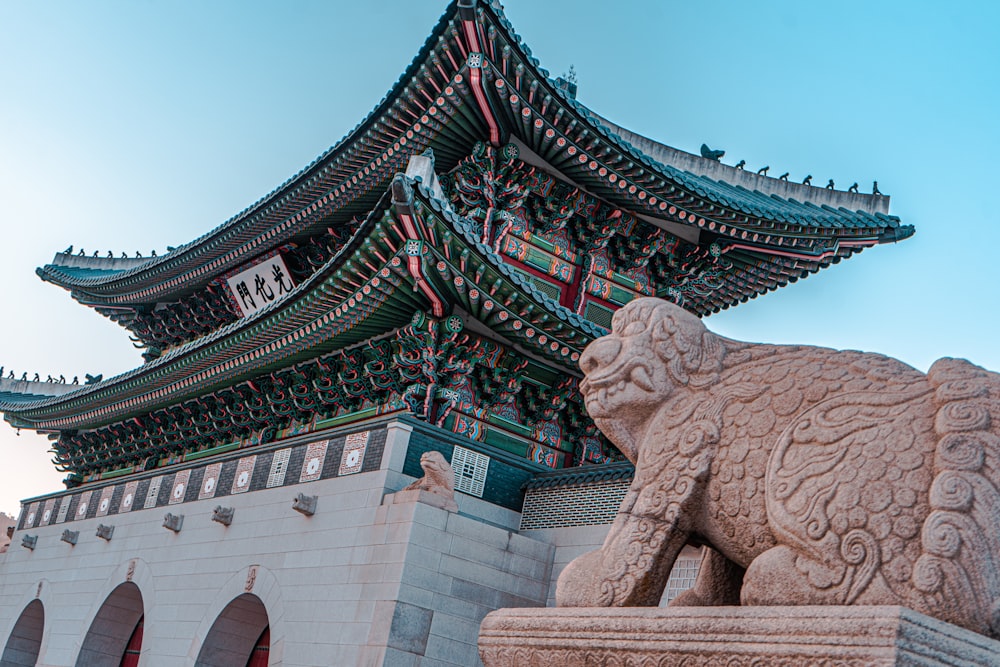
(239, 636)
(26, 638)
(115, 634)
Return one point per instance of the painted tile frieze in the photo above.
(325, 458)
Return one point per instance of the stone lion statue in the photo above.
(439, 479)
(813, 476)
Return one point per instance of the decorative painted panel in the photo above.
(128, 497)
(244, 475)
(210, 481)
(312, 464)
(353, 456)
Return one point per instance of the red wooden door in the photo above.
(261, 650)
(132, 649)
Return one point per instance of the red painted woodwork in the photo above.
(132, 649)
(261, 650)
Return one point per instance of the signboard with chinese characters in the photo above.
(261, 284)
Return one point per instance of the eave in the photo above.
(372, 287)
(448, 99)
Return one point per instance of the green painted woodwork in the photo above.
(513, 427)
(347, 418)
(506, 442)
(211, 451)
(111, 474)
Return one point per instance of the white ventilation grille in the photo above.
(279, 466)
(470, 471)
(153, 493)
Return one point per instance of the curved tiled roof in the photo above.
(467, 230)
(170, 366)
(24, 392)
(585, 474)
(698, 196)
(207, 245)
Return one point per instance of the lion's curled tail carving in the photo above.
(960, 540)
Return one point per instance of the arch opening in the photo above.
(240, 635)
(25, 641)
(113, 629)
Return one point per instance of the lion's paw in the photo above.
(579, 584)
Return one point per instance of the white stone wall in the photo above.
(358, 583)
(372, 578)
(315, 574)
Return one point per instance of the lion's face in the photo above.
(622, 369)
(652, 349)
(436, 469)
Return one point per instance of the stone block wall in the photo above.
(315, 575)
(363, 581)
(373, 578)
(455, 568)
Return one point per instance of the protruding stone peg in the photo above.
(223, 515)
(304, 504)
(173, 522)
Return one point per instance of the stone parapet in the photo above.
(731, 636)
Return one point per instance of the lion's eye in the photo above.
(633, 328)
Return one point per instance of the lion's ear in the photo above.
(711, 361)
(678, 370)
(663, 328)
(689, 341)
(712, 353)
(672, 347)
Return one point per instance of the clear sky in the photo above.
(137, 125)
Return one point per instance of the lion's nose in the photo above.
(599, 353)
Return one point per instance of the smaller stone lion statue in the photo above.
(812, 476)
(439, 479)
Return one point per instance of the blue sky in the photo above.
(137, 125)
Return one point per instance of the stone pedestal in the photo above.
(421, 496)
(728, 636)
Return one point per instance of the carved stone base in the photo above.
(727, 636)
(421, 496)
